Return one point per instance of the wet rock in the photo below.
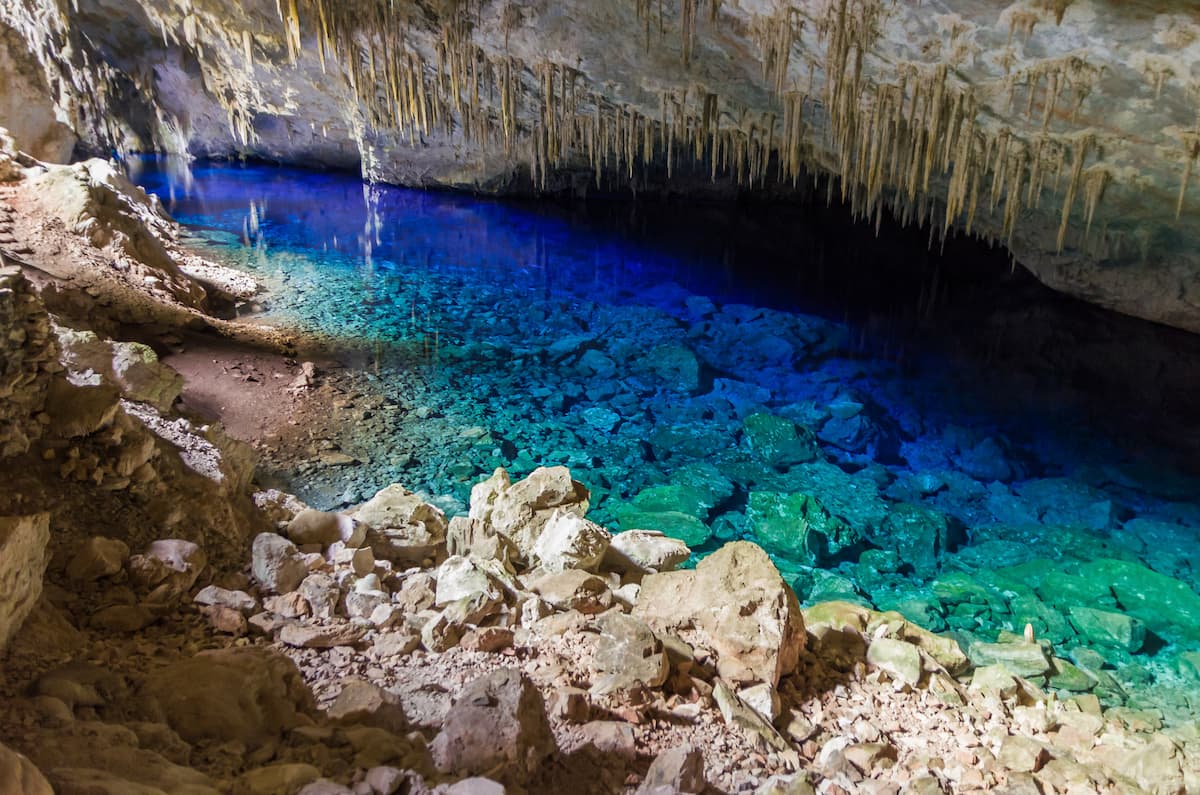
(98, 557)
(23, 560)
(1108, 628)
(497, 726)
(748, 615)
(645, 552)
(798, 527)
(628, 655)
(676, 770)
(1027, 660)
(1166, 605)
(675, 524)
(277, 564)
(403, 528)
(569, 541)
(778, 440)
(919, 536)
(675, 365)
(194, 696)
(674, 497)
(19, 776)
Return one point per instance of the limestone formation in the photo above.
(23, 541)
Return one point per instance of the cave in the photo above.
(693, 396)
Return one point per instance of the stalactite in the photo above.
(1081, 152)
(1191, 152)
(1096, 181)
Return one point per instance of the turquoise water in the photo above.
(928, 434)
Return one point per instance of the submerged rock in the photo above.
(797, 526)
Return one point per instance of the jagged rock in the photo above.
(628, 655)
(173, 562)
(322, 594)
(520, 511)
(748, 615)
(235, 600)
(277, 564)
(900, 660)
(23, 560)
(488, 639)
(19, 776)
(735, 713)
(418, 592)
(403, 528)
(132, 367)
(442, 632)
(195, 698)
(568, 541)
(676, 770)
(610, 738)
(763, 699)
(367, 595)
(497, 726)
(675, 365)
(574, 590)
(645, 552)
(463, 578)
(98, 557)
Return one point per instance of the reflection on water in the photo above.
(925, 432)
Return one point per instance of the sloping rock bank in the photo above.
(167, 629)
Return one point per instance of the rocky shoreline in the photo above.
(195, 635)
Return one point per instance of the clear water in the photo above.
(969, 449)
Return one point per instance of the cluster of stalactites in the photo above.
(925, 145)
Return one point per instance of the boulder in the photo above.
(311, 526)
(195, 697)
(1166, 605)
(496, 727)
(568, 541)
(98, 557)
(367, 704)
(778, 440)
(1026, 660)
(276, 563)
(403, 528)
(520, 511)
(746, 614)
(574, 589)
(174, 562)
(1108, 628)
(627, 655)
(23, 560)
(645, 552)
(897, 659)
(675, 524)
(798, 527)
(918, 534)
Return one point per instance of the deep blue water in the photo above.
(973, 439)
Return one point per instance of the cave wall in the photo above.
(1065, 129)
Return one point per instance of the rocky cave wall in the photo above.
(1066, 129)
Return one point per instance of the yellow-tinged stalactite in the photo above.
(1081, 152)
